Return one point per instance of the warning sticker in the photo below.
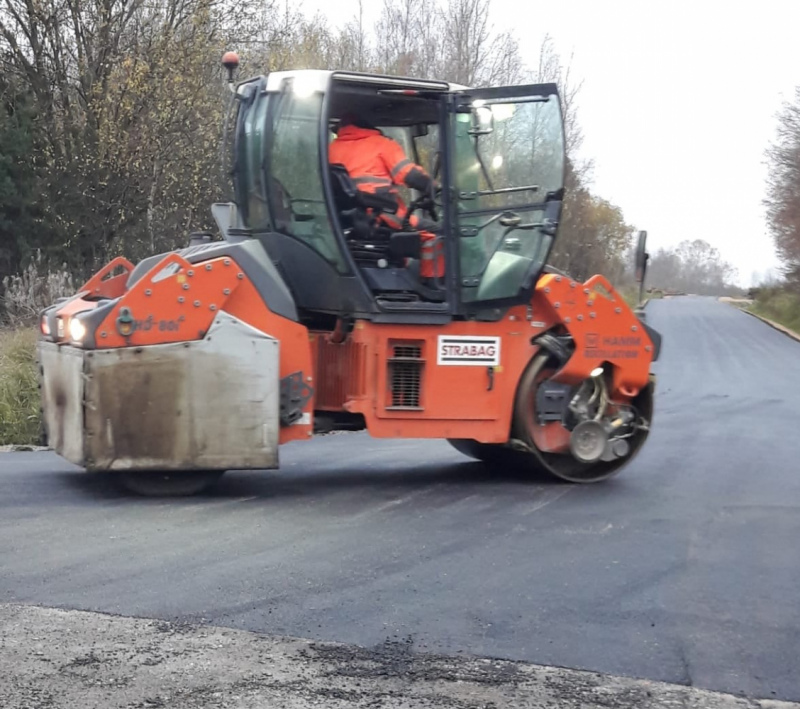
(469, 350)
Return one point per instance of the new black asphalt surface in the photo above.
(684, 568)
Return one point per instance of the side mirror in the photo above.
(482, 120)
(642, 257)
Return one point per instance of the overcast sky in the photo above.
(677, 106)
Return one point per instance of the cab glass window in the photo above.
(508, 161)
(295, 183)
(251, 153)
(509, 153)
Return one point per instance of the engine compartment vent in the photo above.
(405, 371)
(407, 351)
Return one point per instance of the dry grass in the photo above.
(19, 390)
(779, 305)
(631, 295)
(22, 298)
(25, 295)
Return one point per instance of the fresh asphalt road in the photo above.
(684, 568)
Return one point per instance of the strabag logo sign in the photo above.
(466, 350)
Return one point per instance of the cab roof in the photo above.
(319, 79)
(381, 99)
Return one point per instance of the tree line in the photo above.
(111, 114)
(782, 199)
(693, 266)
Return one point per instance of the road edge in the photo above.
(775, 325)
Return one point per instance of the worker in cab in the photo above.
(378, 164)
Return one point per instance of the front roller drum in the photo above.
(571, 465)
(166, 419)
(167, 483)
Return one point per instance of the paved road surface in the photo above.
(685, 568)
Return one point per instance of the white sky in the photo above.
(677, 106)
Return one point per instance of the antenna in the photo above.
(230, 60)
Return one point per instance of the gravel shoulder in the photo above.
(54, 659)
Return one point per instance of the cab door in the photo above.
(507, 166)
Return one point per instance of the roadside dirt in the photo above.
(54, 659)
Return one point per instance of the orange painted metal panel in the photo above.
(174, 302)
(604, 329)
(103, 284)
(468, 375)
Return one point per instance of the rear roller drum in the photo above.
(178, 483)
(585, 459)
(492, 454)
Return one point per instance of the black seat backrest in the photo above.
(348, 196)
(345, 192)
(352, 211)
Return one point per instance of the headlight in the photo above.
(77, 330)
(45, 326)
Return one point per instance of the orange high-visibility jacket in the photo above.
(376, 163)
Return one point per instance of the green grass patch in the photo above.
(631, 295)
(19, 390)
(778, 305)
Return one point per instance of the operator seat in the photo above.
(369, 240)
(352, 211)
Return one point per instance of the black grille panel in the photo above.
(406, 380)
(408, 351)
(405, 375)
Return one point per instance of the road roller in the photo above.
(312, 306)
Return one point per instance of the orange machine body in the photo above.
(177, 301)
(460, 380)
(457, 380)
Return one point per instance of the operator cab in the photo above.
(497, 153)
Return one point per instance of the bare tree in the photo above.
(128, 95)
(692, 267)
(475, 54)
(783, 189)
(403, 38)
